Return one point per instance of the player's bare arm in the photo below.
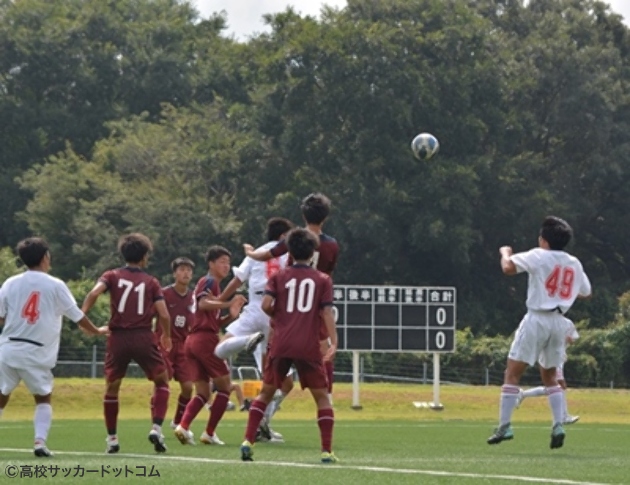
(328, 316)
(211, 303)
(88, 328)
(164, 320)
(1, 322)
(507, 265)
(258, 255)
(230, 289)
(267, 305)
(92, 296)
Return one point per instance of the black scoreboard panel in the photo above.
(395, 318)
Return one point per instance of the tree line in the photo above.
(141, 116)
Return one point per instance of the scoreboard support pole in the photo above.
(355, 380)
(436, 405)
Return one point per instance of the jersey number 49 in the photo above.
(560, 282)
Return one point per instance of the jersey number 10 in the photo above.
(560, 282)
(302, 299)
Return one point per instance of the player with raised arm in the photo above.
(200, 346)
(134, 297)
(32, 305)
(252, 326)
(556, 279)
(298, 298)
(315, 210)
(571, 336)
(181, 308)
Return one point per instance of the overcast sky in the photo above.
(245, 16)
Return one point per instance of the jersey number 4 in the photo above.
(128, 285)
(30, 310)
(302, 299)
(560, 282)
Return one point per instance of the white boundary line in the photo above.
(406, 471)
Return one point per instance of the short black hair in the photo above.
(315, 208)
(215, 252)
(276, 227)
(181, 262)
(134, 247)
(32, 250)
(557, 232)
(302, 244)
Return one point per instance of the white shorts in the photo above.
(540, 336)
(38, 380)
(252, 320)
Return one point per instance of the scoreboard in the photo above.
(395, 318)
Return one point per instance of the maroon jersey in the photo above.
(324, 259)
(300, 293)
(206, 321)
(181, 308)
(132, 295)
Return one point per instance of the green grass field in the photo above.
(389, 441)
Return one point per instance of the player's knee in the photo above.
(42, 399)
(186, 388)
(112, 388)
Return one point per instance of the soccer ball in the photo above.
(424, 146)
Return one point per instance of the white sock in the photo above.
(565, 408)
(535, 392)
(509, 395)
(274, 405)
(157, 428)
(556, 402)
(231, 346)
(42, 421)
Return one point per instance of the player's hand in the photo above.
(248, 248)
(166, 343)
(330, 353)
(239, 299)
(104, 330)
(505, 251)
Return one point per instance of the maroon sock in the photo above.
(159, 403)
(326, 421)
(110, 407)
(330, 367)
(256, 414)
(182, 402)
(219, 405)
(192, 409)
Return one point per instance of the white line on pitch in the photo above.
(407, 471)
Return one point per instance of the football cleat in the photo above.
(253, 342)
(265, 432)
(230, 406)
(184, 436)
(174, 425)
(157, 439)
(275, 437)
(207, 439)
(570, 419)
(112, 445)
(247, 451)
(502, 433)
(329, 457)
(557, 436)
(40, 450)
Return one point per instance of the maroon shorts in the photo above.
(312, 372)
(203, 364)
(177, 363)
(123, 346)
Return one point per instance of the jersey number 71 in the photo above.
(560, 282)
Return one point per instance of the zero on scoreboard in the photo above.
(395, 318)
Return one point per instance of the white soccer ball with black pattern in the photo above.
(425, 146)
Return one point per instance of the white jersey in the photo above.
(556, 279)
(33, 304)
(256, 273)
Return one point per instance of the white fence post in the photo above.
(355, 380)
(93, 361)
(436, 405)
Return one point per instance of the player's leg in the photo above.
(39, 382)
(117, 358)
(9, 380)
(236, 389)
(275, 371)
(150, 358)
(220, 373)
(244, 334)
(182, 374)
(313, 376)
(567, 417)
(265, 426)
(196, 346)
(551, 358)
(324, 345)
